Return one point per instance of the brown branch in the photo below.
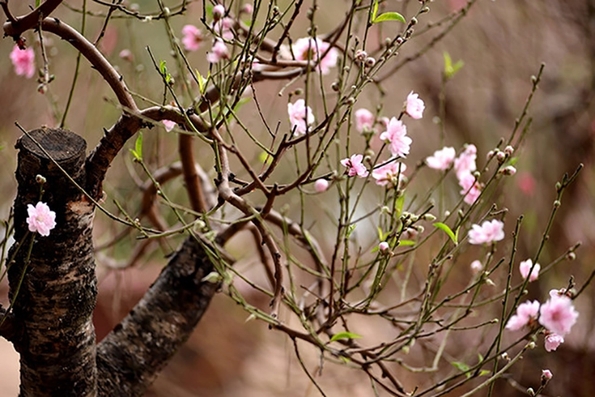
(131, 356)
(95, 58)
(21, 24)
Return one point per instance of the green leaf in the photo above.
(449, 69)
(212, 277)
(406, 243)
(344, 336)
(265, 158)
(444, 227)
(162, 67)
(374, 11)
(461, 367)
(37, 3)
(399, 204)
(137, 152)
(350, 230)
(484, 372)
(389, 16)
(202, 82)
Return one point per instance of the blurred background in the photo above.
(502, 44)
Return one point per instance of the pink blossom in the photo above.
(442, 159)
(23, 61)
(218, 52)
(391, 173)
(383, 246)
(470, 188)
(476, 266)
(300, 116)
(526, 183)
(552, 341)
(224, 28)
(364, 120)
(414, 106)
(218, 12)
(41, 219)
(525, 268)
(169, 125)
(465, 163)
(526, 314)
(354, 166)
(508, 170)
(247, 8)
(396, 135)
(488, 232)
(546, 375)
(558, 315)
(309, 49)
(321, 185)
(191, 38)
(126, 55)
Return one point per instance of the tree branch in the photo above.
(21, 24)
(131, 356)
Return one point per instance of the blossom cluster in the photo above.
(557, 315)
(40, 218)
(389, 172)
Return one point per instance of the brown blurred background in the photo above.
(502, 43)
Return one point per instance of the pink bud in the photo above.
(321, 185)
(383, 246)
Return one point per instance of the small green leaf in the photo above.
(449, 69)
(399, 204)
(389, 16)
(406, 243)
(344, 336)
(37, 3)
(374, 11)
(162, 67)
(265, 158)
(212, 277)
(350, 230)
(461, 367)
(137, 152)
(484, 372)
(444, 227)
(202, 82)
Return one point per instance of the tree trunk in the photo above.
(52, 279)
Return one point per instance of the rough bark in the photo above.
(53, 289)
(132, 355)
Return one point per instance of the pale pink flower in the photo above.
(126, 55)
(414, 106)
(300, 116)
(546, 374)
(465, 163)
(554, 293)
(224, 28)
(309, 49)
(442, 159)
(525, 268)
(396, 135)
(169, 125)
(218, 52)
(526, 314)
(383, 246)
(391, 173)
(476, 266)
(470, 188)
(488, 232)
(191, 38)
(320, 185)
(526, 183)
(508, 170)
(41, 219)
(23, 61)
(552, 341)
(558, 315)
(218, 12)
(364, 120)
(247, 8)
(354, 166)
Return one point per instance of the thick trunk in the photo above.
(52, 279)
